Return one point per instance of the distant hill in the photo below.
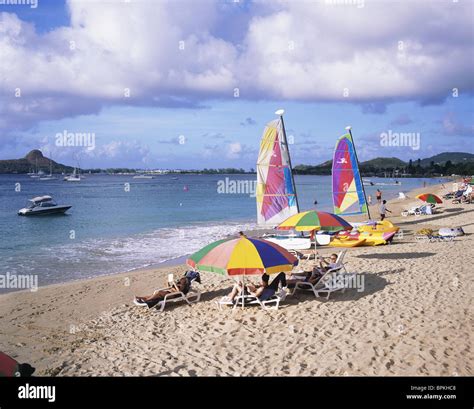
(29, 162)
(378, 166)
(383, 163)
(442, 158)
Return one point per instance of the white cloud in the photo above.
(165, 53)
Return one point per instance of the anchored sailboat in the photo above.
(348, 191)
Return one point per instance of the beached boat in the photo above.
(348, 192)
(43, 205)
(346, 242)
(276, 191)
(290, 242)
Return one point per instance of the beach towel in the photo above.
(446, 231)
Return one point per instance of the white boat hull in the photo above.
(291, 243)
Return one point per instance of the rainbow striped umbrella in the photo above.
(242, 256)
(313, 220)
(429, 198)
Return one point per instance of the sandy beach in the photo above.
(414, 317)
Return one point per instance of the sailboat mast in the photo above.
(280, 113)
(348, 128)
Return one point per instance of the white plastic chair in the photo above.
(193, 296)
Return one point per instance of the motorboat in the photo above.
(43, 205)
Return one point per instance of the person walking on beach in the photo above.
(378, 196)
(369, 200)
(383, 209)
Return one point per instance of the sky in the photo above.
(191, 84)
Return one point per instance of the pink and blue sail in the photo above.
(347, 188)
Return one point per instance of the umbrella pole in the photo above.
(243, 291)
(314, 234)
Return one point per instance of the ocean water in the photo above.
(112, 228)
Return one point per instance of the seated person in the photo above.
(266, 290)
(262, 291)
(182, 285)
(327, 263)
(312, 277)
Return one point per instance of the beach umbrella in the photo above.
(429, 198)
(314, 220)
(242, 256)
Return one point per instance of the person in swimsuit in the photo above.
(262, 291)
(182, 285)
(378, 196)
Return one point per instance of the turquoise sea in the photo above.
(118, 223)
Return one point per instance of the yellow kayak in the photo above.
(341, 242)
(380, 228)
(373, 239)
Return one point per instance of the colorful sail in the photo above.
(347, 189)
(276, 195)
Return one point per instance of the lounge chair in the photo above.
(326, 284)
(272, 303)
(192, 296)
(419, 210)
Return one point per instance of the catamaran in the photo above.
(348, 193)
(276, 191)
(349, 198)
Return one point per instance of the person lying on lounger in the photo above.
(182, 285)
(262, 291)
(325, 264)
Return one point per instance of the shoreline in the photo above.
(408, 321)
(180, 259)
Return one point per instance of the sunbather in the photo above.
(313, 276)
(327, 263)
(182, 285)
(262, 291)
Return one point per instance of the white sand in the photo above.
(414, 318)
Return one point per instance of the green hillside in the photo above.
(29, 162)
(442, 158)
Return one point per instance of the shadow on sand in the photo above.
(394, 256)
(422, 219)
(372, 283)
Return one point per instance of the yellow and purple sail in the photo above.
(347, 188)
(276, 193)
